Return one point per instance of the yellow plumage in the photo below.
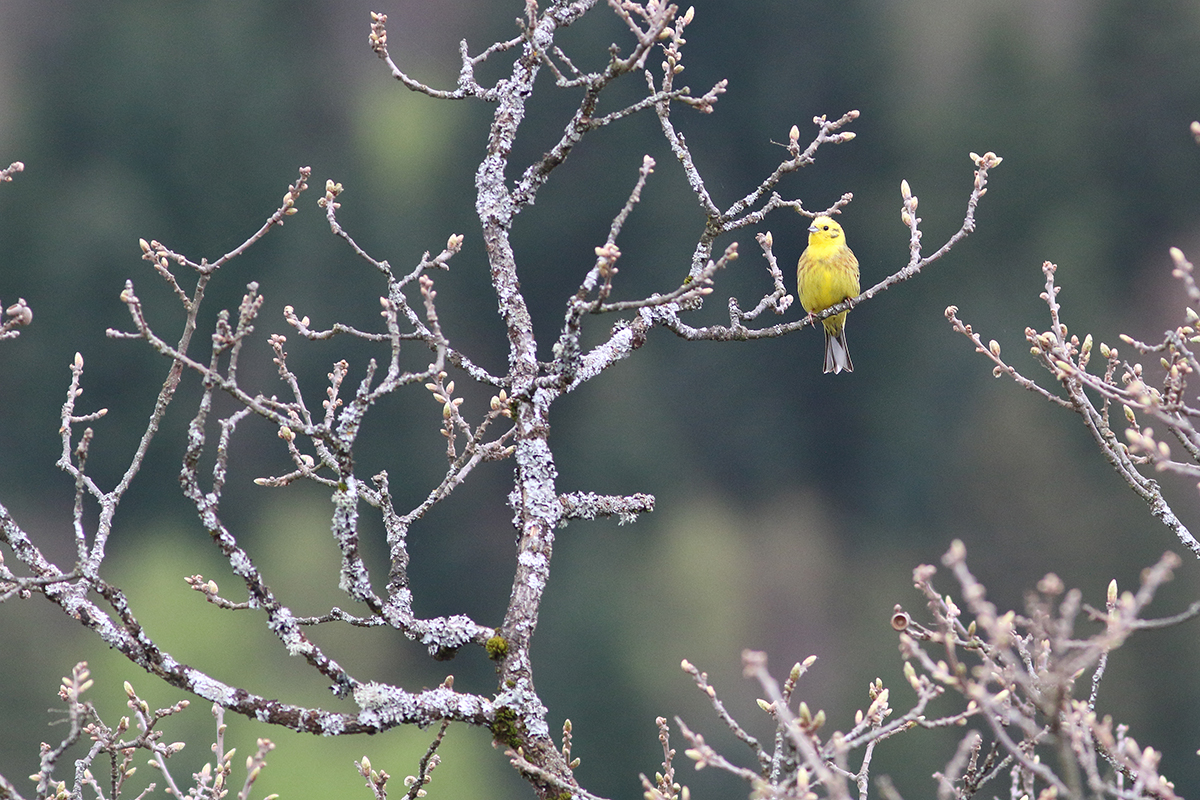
(826, 275)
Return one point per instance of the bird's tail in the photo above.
(837, 354)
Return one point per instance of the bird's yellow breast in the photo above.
(828, 274)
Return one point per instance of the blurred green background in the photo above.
(792, 506)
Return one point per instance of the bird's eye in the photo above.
(826, 227)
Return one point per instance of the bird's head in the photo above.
(825, 231)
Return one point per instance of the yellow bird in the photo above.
(826, 275)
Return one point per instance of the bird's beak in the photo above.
(812, 228)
